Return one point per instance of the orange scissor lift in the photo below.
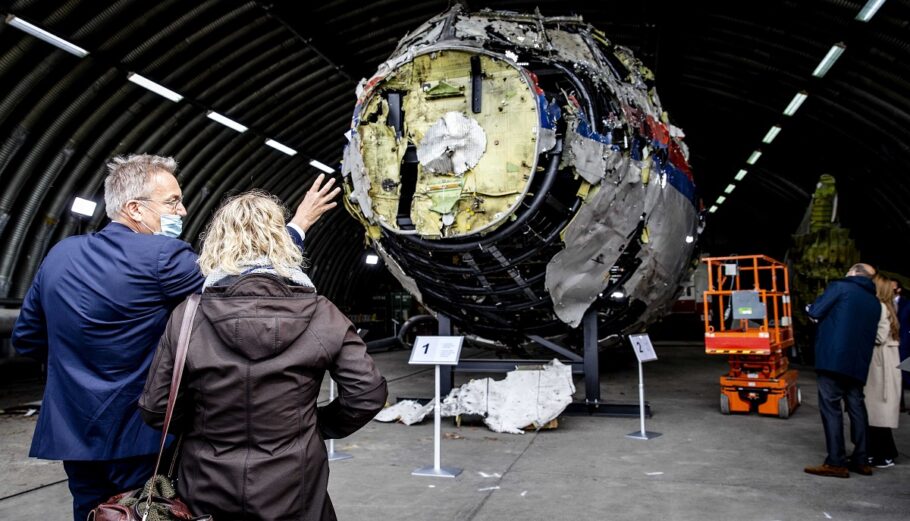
(750, 296)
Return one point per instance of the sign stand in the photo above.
(332, 455)
(644, 351)
(437, 351)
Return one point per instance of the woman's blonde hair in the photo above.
(885, 293)
(246, 228)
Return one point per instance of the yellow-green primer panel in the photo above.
(432, 85)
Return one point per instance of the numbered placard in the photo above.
(641, 344)
(436, 350)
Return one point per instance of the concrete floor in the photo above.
(705, 466)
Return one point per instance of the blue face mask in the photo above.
(171, 225)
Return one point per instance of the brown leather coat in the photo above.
(253, 445)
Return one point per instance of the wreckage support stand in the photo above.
(587, 364)
(642, 434)
(591, 363)
(437, 470)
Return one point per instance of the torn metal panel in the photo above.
(587, 156)
(380, 166)
(547, 140)
(658, 278)
(409, 284)
(352, 166)
(594, 240)
(573, 47)
(526, 35)
(454, 144)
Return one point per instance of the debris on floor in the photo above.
(407, 412)
(528, 398)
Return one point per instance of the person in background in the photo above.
(258, 350)
(902, 305)
(94, 314)
(883, 386)
(847, 313)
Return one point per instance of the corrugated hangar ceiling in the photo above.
(288, 70)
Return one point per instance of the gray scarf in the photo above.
(260, 265)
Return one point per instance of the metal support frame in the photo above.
(447, 374)
(592, 358)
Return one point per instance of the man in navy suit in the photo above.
(94, 314)
(847, 314)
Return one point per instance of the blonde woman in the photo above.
(259, 347)
(883, 386)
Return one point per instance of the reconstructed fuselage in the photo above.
(516, 171)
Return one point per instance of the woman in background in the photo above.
(259, 347)
(883, 387)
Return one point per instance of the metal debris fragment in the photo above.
(454, 144)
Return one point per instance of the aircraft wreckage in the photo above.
(516, 171)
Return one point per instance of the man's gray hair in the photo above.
(128, 178)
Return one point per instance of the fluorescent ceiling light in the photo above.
(712, 209)
(825, 65)
(230, 123)
(160, 90)
(84, 207)
(869, 10)
(730, 188)
(322, 166)
(740, 175)
(278, 146)
(40, 33)
(769, 137)
(720, 200)
(795, 103)
(372, 259)
(754, 157)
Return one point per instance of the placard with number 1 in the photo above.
(436, 350)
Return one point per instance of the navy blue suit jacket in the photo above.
(847, 313)
(94, 313)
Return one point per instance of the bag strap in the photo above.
(175, 456)
(183, 343)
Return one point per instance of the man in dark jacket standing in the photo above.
(94, 314)
(847, 314)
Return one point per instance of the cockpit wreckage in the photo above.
(516, 172)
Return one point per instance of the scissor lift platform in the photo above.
(751, 299)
